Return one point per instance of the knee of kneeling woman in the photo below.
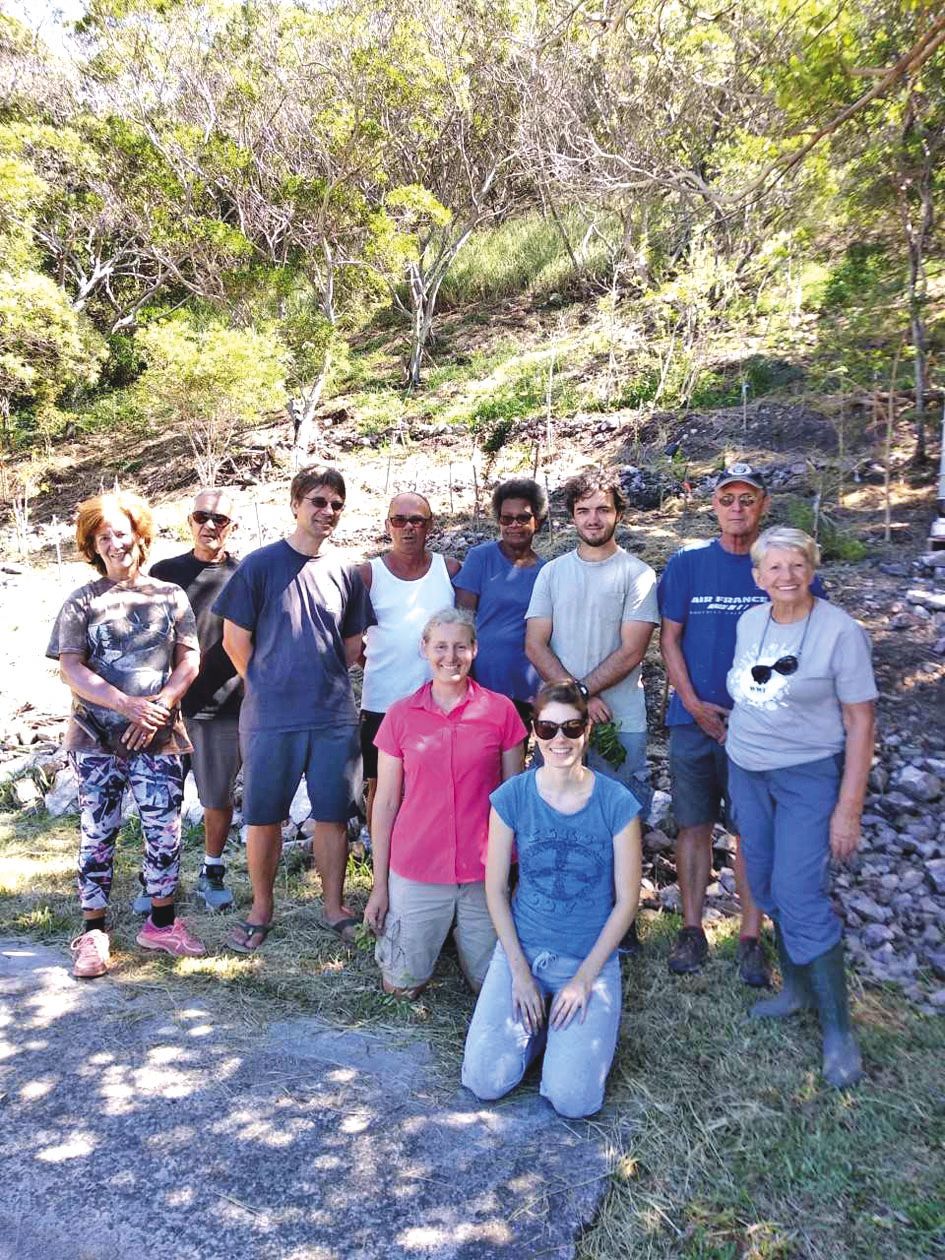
(573, 1099)
(491, 1076)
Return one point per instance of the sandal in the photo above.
(344, 928)
(243, 933)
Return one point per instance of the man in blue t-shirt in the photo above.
(702, 593)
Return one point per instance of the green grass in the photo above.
(723, 1141)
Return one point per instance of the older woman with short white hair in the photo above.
(800, 744)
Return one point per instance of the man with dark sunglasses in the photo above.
(211, 706)
(294, 616)
(704, 590)
(407, 585)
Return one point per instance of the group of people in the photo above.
(214, 663)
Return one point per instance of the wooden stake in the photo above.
(258, 524)
(890, 419)
(451, 490)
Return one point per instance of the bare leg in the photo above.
(751, 915)
(693, 864)
(331, 858)
(410, 994)
(216, 828)
(263, 851)
(370, 791)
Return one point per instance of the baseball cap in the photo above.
(742, 472)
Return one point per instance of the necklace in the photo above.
(784, 665)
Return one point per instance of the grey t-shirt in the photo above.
(300, 610)
(587, 602)
(793, 719)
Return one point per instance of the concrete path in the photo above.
(131, 1126)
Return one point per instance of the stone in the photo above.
(656, 841)
(930, 600)
(935, 869)
(63, 796)
(937, 999)
(921, 785)
(26, 792)
(875, 934)
(660, 817)
(867, 908)
(301, 808)
(936, 959)
(670, 898)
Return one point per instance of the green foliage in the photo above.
(835, 543)
(494, 417)
(864, 272)
(722, 387)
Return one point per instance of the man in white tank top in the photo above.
(408, 584)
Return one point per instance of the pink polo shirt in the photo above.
(452, 761)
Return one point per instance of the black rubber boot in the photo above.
(794, 994)
(842, 1063)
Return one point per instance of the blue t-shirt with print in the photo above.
(504, 590)
(565, 889)
(706, 589)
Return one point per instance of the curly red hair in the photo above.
(92, 513)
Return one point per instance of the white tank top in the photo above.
(393, 665)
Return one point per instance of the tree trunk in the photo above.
(302, 410)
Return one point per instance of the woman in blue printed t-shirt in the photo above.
(554, 979)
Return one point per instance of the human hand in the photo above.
(844, 831)
(598, 710)
(147, 712)
(375, 912)
(711, 718)
(570, 1000)
(528, 1004)
(136, 737)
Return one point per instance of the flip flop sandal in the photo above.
(343, 928)
(248, 931)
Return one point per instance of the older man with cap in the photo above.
(407, 585)
(704, 590)
(211, 707)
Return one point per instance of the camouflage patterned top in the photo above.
(127, 635)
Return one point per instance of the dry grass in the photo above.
(723, 1141)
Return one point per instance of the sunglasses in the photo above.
(215, 518)
(319, 503)
(400, 522)
(573, 728)
(744, 500)
(786, 666)
(515, 518)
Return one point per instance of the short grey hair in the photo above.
(450, 617)
(784, 536)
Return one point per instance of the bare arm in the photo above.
(366, 574)
(513, 761)
(354, 650)
(390, 779)
(709, 716)
(238, 645)
(859, 721)
(527, 1001)
(572, 998)
(467, 599)
(538, 649)
(452, 566)
(634, 639)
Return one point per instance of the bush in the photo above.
(835, 543)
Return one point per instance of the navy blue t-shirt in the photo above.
(706, 589)
(565, 889)
(300, 610)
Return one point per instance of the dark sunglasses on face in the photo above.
(785, 665)
(399, 522)
(574, 728)
(515, 518)
(319, 503)
(216, 518)
(744, 500)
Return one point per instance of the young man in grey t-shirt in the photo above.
(591, 617)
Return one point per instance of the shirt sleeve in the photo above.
(70, 630)
(541, 603)
(622, 806)
(817, 588)
(469, 578)
(640, 603)
(359, 611)
(185, 623)
(504, 800)
(513, 728)
(389, 737)
(672, 594)
(239, 600)
(852, 665)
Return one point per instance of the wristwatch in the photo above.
(584, 691)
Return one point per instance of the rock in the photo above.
(26, 792)
(932, 601)
(191, 809)
(935, 869)
(921, 785)
(910, 878)
(660, 817)
(63, 796)
(867, 908)
(937, 999)
(879, 778)
(656, 841)
(901, 621)
(936, 959)
(670, 898)
(875, 935)
(301, 808)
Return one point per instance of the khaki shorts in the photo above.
(418, 922)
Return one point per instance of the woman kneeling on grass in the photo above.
(127, 648)
(441, 752)
(577, 834)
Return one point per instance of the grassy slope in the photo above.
(723, 1141)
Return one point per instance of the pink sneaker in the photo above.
(174, 940)
(90, 954)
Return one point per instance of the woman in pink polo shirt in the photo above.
(441, 751)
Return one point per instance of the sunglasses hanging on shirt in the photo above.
(784, 665)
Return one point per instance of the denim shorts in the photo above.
(698, 771)
(275, 761)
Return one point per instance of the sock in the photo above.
(744, 937)
(162, 916)
(212, 861)
(94, 925)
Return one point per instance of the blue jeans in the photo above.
(783, 818)
(577, 1058)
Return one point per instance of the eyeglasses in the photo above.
(400, 522)
(319, 503)
(215, 518)
(515, 518)
(744, 500)
(573, 728)
(786, 665)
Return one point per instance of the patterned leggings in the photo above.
(157, 785)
